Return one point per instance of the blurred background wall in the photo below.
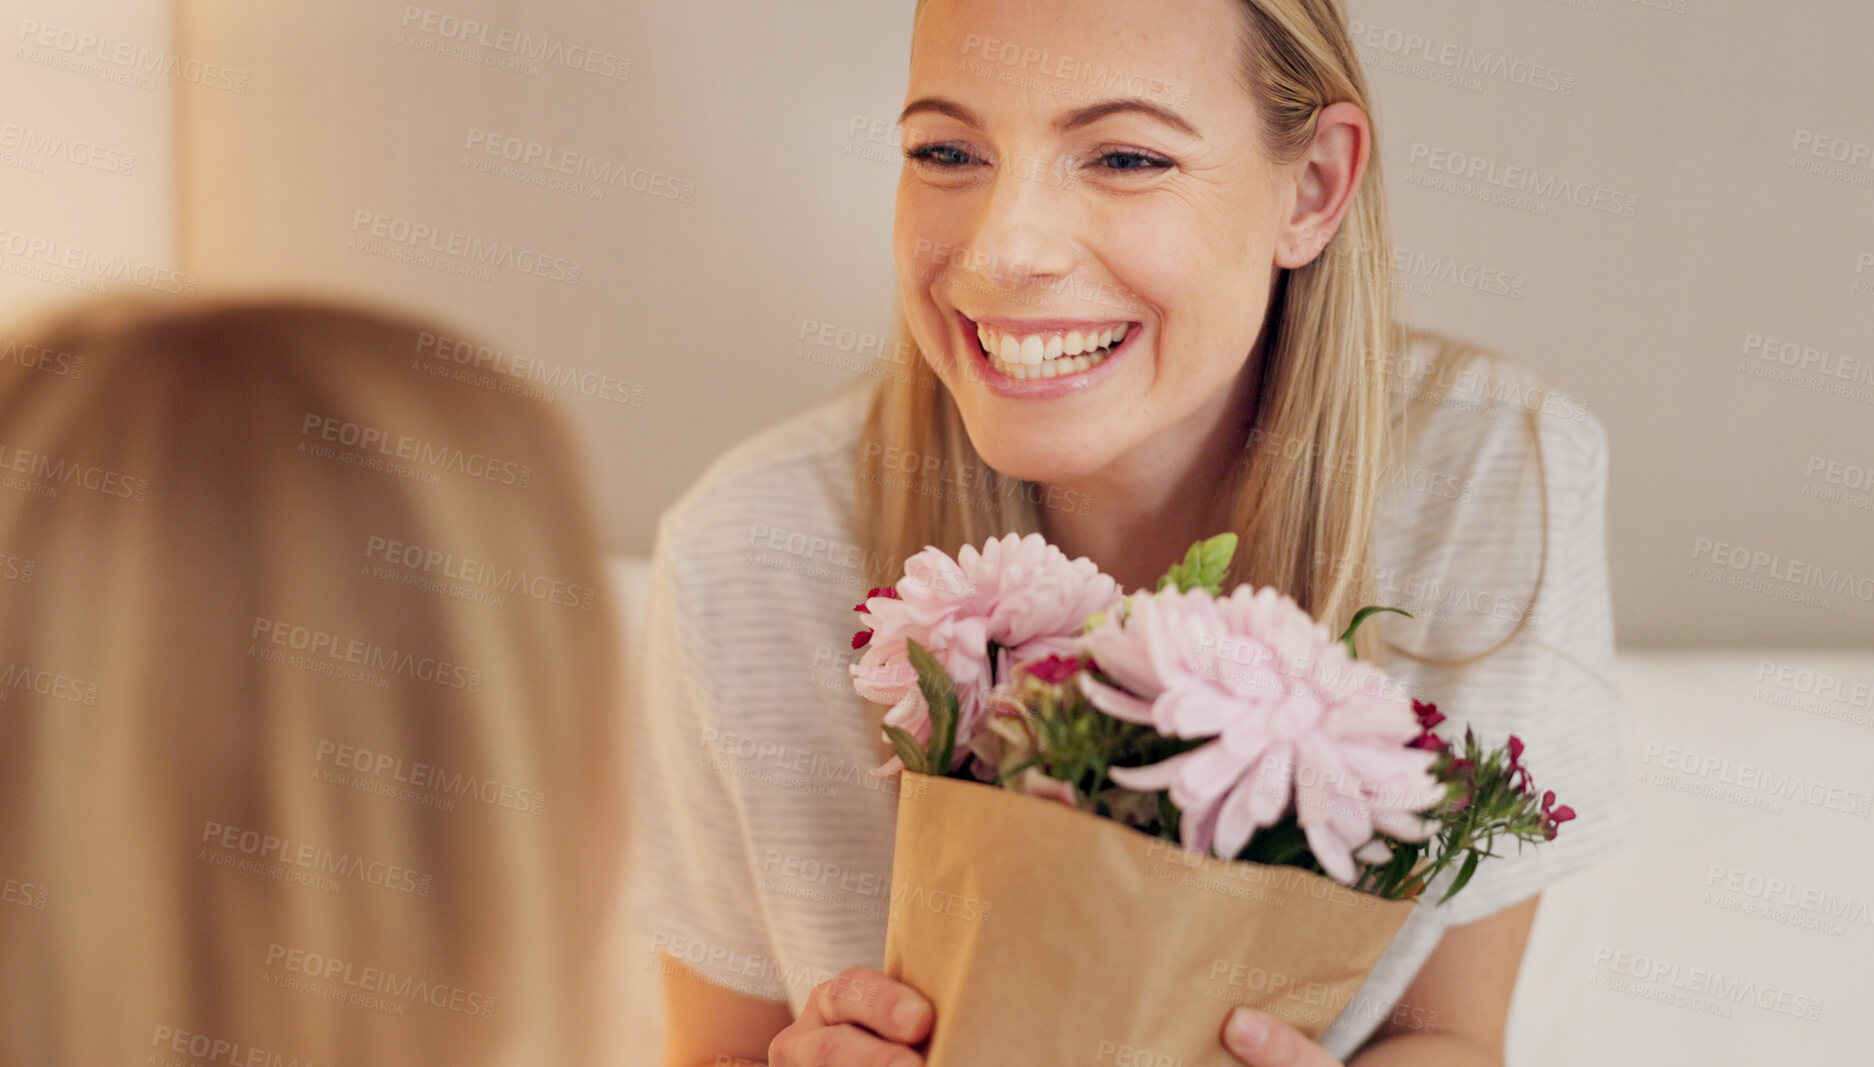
(1666, 206)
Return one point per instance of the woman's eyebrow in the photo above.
(1070, 121)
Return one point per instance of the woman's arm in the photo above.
(1465, 988)
(706, 1025)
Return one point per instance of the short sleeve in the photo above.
(690, 871)
(1562, 701)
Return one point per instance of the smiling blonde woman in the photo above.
(1144, 266)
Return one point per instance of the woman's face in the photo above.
(1076, 167)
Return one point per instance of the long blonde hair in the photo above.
(1331, 421)
(392, 665)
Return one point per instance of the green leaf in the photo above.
(906, 747)
(941, 694)
(1360, 617)
(1464, 875)
(1204, 566)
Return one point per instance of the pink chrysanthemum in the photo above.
(1291, 717)
(1021, 594)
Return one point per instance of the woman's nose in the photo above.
(1024, 230)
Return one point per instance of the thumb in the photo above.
(1262, 1040)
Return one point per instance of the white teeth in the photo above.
(1051, 368)
(1050, 356)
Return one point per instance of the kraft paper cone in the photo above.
(1045, 936)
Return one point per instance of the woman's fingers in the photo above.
(887, 1007)
(860, 1018)
(844, 1045)
(1259, 1039)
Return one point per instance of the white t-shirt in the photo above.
(761, 850)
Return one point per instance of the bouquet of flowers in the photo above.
(1207, 792)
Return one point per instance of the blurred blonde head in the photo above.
(308, 673)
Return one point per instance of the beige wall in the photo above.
(87, 184)
(767, 121)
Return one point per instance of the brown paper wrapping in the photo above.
(1045, 936)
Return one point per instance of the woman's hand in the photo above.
(858, 1019)
(1262, 1040)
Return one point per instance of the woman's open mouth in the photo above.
(1045, 359)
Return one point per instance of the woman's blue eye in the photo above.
(928, 154)
(1146, 162)
(950, 157)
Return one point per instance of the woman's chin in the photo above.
(1036, 460)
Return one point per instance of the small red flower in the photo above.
(1054, 669)
(886, 591)
(1427, 712)
(864, 637)
(1553, 814)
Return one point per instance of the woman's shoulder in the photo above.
(796, 471)
(1474, 424)
(1499, 491)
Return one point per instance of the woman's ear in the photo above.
(1326, 179)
